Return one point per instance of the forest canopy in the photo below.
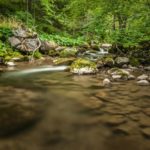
(124, 22)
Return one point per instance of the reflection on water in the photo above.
(64, 112)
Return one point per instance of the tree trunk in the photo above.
(114, 22)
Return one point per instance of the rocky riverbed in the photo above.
(65, 111)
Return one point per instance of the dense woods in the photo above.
(123, 23)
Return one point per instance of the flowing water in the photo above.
(60, 111)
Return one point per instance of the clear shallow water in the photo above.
(59, 111)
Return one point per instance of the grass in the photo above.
(9, 22)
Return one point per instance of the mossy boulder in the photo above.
(63, 61)
(68, 52)
(83, 66)
(108, 62)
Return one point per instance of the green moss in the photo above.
(68, 53)
(81, 63)
(37, 55)
(134, 61)
(63, 61)
(53, 53)
(108, 61)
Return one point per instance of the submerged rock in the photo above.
(19, 108)
(83, 66)
(146, 132)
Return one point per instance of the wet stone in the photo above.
(113, 120)
(147, 111)
(127, 128)
(144, 121)
(146, 132)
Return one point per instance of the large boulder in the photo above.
(14, 41)
(24, 33)
(68, 52)
(48, 45)
(83, 66)
(29, 45)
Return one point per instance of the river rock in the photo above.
(106, 82)
(108, 62)
(14, 41)
(131, 77)
(60, 48)
(113, 120)
(116, 77)
(122, 60)
(146, 132)
(142, 77)
(143, 83)
(144, 121)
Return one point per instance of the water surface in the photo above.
(59, 111)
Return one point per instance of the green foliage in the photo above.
(120, 22)
(7, 52)
(61, 40)
(5, 33)
(37, 54)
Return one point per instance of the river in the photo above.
(60, 111)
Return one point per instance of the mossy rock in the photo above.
(70, 52)
(83, 66)
(108, 61)
(63, 61)
(37, 55)
(53, 53)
